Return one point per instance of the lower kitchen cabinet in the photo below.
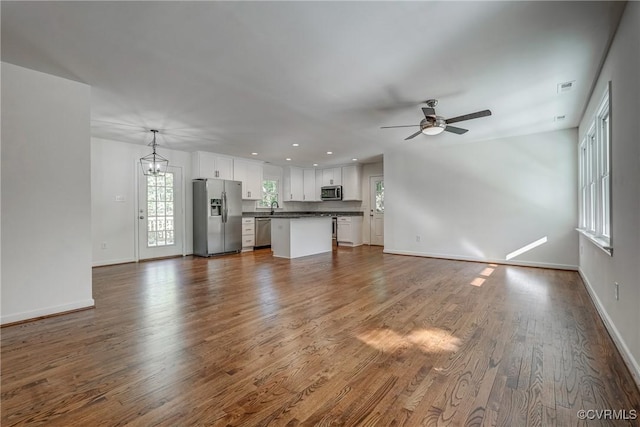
(349, 230)
(248, 233)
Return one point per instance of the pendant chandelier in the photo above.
(154, 164)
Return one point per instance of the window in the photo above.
(379, 203)
(269, 193)
(160, 204)
(594, 178)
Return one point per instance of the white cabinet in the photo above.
(248, 233)
(332, 176)
(311, 192)
(319, 183)
(210, 165)
(349, 230)
(352, 182)
(250, 174)
(293, 188)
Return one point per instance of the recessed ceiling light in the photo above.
(355, 160)
(296, 145)
(329, 152)
(315, 164)
(254, 154)
(288, 159)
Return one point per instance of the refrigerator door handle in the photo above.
(225, 209)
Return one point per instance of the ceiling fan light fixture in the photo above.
(154, 164)
(434, 127)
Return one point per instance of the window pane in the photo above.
(606, 215)
(151, 238)
(269, 193)
(160, 212)
(379, 197)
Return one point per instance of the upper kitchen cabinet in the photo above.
(249, 172)
(311, 192)
(293, 188)
(210, 165)
(332, 176)
(352, 182)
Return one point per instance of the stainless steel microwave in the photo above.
(333, 192)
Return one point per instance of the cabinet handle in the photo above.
(331, 181)
(291, 197)
(304, 197)
(217, 174)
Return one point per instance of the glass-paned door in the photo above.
(160, 215)
(376, 215)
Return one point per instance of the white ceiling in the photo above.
(243, 77)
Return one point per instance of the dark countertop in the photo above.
(285, 214)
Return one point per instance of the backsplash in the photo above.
(250, 206)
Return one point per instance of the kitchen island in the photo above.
(298, 236)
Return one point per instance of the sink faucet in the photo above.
(276, 204)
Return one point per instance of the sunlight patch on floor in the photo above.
(478, 281)
(431, 340)
(487, 272)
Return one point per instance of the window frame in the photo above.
(594, 177)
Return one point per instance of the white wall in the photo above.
(485, 199)
(46, 195)
(598, 269)
(114, 172)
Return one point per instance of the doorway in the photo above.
(160, 215)
(376, 214)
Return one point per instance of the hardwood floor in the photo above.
(356, 337)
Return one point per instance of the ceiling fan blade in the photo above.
(414, 135)
(475, 115)
(454, 129)
(401, 126)
(428, 111)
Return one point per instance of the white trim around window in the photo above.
(594, 157)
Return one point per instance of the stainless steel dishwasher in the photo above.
(263, 232)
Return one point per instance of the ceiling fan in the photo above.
(433, 124)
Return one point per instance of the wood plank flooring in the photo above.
(354, 337)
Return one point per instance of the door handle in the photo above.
(141, 217)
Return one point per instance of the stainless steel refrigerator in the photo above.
(217, 216)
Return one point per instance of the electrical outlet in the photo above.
(418, 239)
(617, 291)
(103, 245)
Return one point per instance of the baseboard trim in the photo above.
(43, 313)
(620, 344)
(113, 262)
(492, 261)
